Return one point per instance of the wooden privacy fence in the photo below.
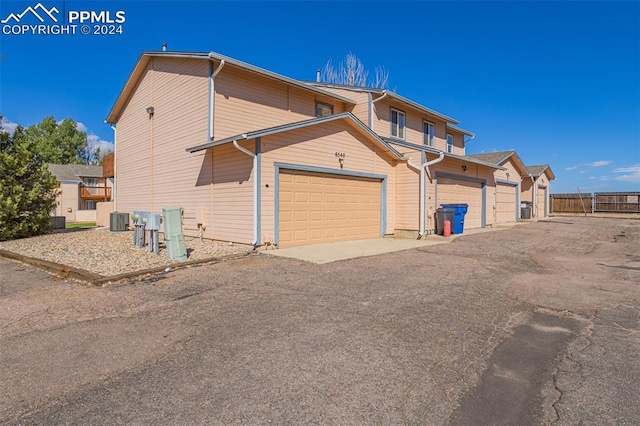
(623, 202)
(603, 202)
(571, 203)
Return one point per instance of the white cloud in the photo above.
(630, 174)
(600, 163)
(8, 125)
(571, 168)
(94, 141)
(81, 127)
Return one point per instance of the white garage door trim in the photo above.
(517, 200)
(483, 182)
(303, 168)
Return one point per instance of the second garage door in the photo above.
(320, 207)
(541, 195)
(505, 203)
(456, 191)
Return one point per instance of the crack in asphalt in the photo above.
(572, 350)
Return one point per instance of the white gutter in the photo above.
(423, 174)
(371, 107)
(212, 94)
(255, 189)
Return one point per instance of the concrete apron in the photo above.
(343, 250)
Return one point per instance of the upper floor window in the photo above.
(91, 181)
(323, 109)
(429, 133)
(449, 143)
(397, 123)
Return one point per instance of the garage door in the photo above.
(505, 203)
(455, 191)
(541, 203)
(319, 207)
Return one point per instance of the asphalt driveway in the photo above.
(532, 325)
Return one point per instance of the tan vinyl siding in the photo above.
(181, 179)
(316, 146)
(526, 190)
(245, 101)
(154, 171)
(414, 119)
(133, 149)
(232, 193)
(361, 109)
(408, 192)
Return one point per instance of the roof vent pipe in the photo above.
(318, 75)
(164, 47)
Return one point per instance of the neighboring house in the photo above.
(537, 188)
(256, 157)
(81, 187)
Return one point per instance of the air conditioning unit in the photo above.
(119, 222)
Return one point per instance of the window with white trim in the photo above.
(429, 133)
(397, 123)
(449, 143)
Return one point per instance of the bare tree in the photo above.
(352, 72)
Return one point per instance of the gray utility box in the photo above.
(525, 210)
(58, 222)
(118, 222)
(173, 233)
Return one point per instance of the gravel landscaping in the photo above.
(110, 253)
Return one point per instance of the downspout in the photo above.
(212, 93)
(464, 143)
(371, 102)
(423, 175)
(115, 174)
(534, 191)
(254, 243)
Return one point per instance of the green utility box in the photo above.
(173, 234)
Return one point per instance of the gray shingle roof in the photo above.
(536, 170)
(493, 157)
(74, 172)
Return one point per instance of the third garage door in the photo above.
(505, 203)
(320, 207)
(456, 191)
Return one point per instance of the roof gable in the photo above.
(541, 169)
(146, 56)
(501, 157)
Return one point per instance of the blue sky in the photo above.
(559, 82)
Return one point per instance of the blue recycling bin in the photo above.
(460, 210)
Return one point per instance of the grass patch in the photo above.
(80, 225)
